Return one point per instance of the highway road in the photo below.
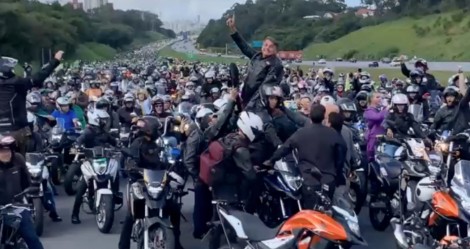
(188, 47)
(65, 235)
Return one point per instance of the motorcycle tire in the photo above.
(71, 179)
(38, 215)
(379, 224)
(168, 235)
(105, 210)
(54, 172)
(361, 191)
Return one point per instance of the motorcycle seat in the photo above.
(254, 228)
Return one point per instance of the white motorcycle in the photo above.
(99, 170)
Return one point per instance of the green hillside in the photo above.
(434, 37)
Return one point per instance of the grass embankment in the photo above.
(169, 52)
(436, 37)
(442, 76)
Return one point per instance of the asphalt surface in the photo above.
(86, 235)
(188, 47)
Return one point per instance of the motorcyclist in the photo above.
(348, 109)
(443, 120)
(361, 102)
(328, 80)
(145, 152)
(429, 80)
(37, 116)
(94, 90)
(399, 121)
(94, 135)
(265, 67)
(14, 179)
(128, 112)
(13, 115)
(414, 95)
(64, 116)
(103, 103)
(77, 109)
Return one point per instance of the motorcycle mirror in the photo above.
(234, 75)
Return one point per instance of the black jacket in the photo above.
(14, 179)
(430, 85)
(317, 146)
(13, 93)
(400, 124)
(462, 115)
(444, 118)
(146, 154)
(260, 71)
(125, 117)
(94, 136)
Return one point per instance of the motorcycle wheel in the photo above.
(71, 178)
(379, 224)
(105, 214)
(38, 215)
(360, 190)
(160, 237)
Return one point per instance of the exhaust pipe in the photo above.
(398, 233)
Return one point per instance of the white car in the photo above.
(395, 63)
(322, 61)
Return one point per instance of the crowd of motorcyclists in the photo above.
(226, 129)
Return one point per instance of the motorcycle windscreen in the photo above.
(184, 108)
(417, 111)
(461, 177)
(154, 177)
(95, 152)
(34, 158)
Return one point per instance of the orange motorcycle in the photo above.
(306, 229)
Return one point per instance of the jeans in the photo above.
(49, 202)
(390, 149)
(26, 230)
(202, 213)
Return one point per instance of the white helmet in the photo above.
(220, 103)
(400, 99)
(424, 189)
(203, 112)
(327, 100)
(250, 124)
(98, 117)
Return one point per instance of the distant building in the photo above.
(312, 17)
(364, 13)
(76, 5)
(93, 4)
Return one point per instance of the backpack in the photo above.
(214, 161)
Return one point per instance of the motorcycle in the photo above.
(280, 194)
(61, 140)
(35, 162)
(148, 197)
(358, 175)
(384, 178)
(305, 229)
(100, 170)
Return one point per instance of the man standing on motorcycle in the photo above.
(145, 152)
(14, 179)
(265, 66)
(13, 91)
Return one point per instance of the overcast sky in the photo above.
(171, 10)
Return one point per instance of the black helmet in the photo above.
(7, 65)
(417, 73)
(346, 105)
(150, 126)
(103, 103)
(362, 95)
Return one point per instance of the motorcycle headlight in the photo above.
(100, 166)
(35, 171)
(354, 226)
(293, 182)
(154, 190)
(56, 138)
